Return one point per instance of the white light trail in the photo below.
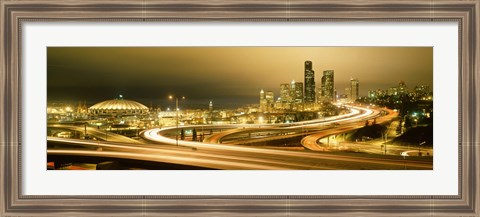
(355, 114)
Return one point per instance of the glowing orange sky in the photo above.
(225, 72)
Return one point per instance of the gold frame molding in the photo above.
(15, 12)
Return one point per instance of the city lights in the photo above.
(276, 108)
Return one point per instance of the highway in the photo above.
(96, 133)
(210, 154)
(217, 156)
(312, 141)
(302, 128)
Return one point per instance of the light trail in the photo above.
(217, 156)
(209, 163)
(96, 132)
(233, 157)
(357, 113)
(161, 151)
(311, 141)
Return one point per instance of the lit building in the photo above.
(59, 108)
(398, 91)
(327, 87)
(421, 91)
(263, 102)
(82, 107)
(402, 88)
(354, 88)
(60, 112)
(392, 91)
(279, 104)
(167, 118)
(118, 108)
(270, 100)
(267, 101)
(285, 96)
(296, 91)
(375, 94)
(309, 83)
(381, 93)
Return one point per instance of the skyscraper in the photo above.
(285, 96)
(266, 101)
(270, 100)
(354, 83)
(263, 102)
(327, 87)
(309, 82)
(296, 91)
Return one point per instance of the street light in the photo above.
(420, 148)
(386, 137)
(176, 109)
(404, 154)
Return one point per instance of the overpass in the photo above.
(104, 135)
(216, 156)
(282, 130)
(312, 142)
(193, 155)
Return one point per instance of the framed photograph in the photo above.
(234, 108)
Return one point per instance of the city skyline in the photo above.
(275, 108)
(223, 73)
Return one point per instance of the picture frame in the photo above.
(14, 13)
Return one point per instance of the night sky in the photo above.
(232, 75)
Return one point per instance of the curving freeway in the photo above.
(216, 156)
(212, 155)
(312, 141)
(96, 133)
(302, 128)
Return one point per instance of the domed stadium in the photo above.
(118, 107)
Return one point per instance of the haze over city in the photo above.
(223, 74)
(240, 108)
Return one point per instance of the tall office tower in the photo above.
(296, 91)
(210, 106)
(319, 94)
(285, 96)
(270, 100)
(263, 102)
(328, 88)
(309, 82)
(354, 88)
